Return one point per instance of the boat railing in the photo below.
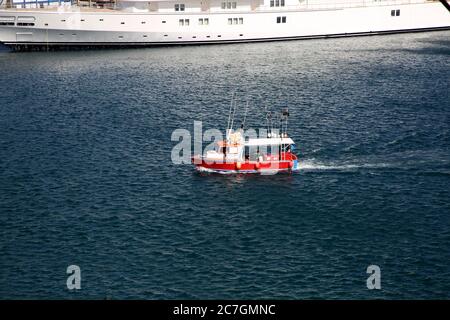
(302, 5)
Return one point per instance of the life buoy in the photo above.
(238, 165)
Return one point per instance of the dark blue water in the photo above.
(86, 177)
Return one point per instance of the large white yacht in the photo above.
(48, 24)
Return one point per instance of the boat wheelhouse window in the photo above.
(228, 5)
(278, 19)
(224, 5)
(25, 24)
(6, 23)
(241, 20)
(230, 21)
(235, 20)
(392, 13)
(397, 12)
(234, 5)
(283, 19)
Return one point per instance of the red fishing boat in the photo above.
(241, 154)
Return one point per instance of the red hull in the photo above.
(248, 166)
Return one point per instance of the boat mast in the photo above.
(245, 116)
(229, 115)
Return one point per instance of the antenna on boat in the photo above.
(245, 115)
(231, 115)
(229, 112)
(269, 122)
(284, 116)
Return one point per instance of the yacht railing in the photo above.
(302, 5)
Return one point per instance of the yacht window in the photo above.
(179, 6)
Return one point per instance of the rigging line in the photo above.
(234, 113)
(445, 4)
(245, 115)
(229, 113)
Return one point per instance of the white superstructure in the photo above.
(43, 24)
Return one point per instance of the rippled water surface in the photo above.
(86, 176)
